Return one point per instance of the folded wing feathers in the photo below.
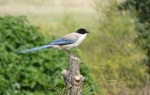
(62, 41)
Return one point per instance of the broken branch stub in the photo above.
(72, 77)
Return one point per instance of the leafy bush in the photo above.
(35, 73)
(141, 10)
(117, 62)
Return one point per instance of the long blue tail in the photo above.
(34, 49)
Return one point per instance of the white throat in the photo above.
(81, 38)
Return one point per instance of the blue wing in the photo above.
(62, 41)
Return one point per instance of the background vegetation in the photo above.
(112, 54)
(141, 10)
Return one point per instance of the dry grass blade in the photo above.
(87, 89)
(62, 92)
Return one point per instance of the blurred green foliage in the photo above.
(35, 73)
(141, 10)
(117, 60)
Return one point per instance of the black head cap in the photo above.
(82, 31)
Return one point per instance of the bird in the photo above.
(65, 43)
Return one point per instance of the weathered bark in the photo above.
(72, 77)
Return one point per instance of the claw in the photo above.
(69, 53)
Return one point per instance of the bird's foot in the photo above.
(69, 53)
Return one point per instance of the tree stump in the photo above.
(72, 77)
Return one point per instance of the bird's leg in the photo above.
(69, 53)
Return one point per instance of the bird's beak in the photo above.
(88, 32)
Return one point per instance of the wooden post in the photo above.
(72, 77)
